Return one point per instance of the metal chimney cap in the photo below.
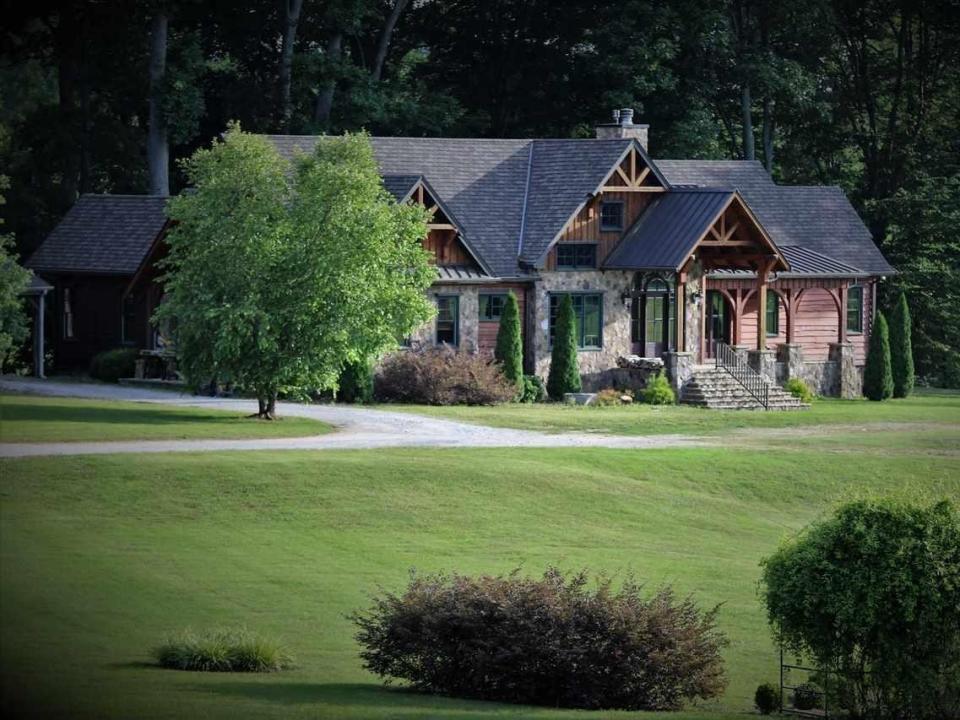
(626, 116)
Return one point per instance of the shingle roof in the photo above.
(400, 185)
(663, 237)
(820, 219)
(485, 182)
(102, 234)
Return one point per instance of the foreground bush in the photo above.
(221, 651)
(111, 365)
(442, 376)
(551, 641)
(658, 391)
(767, 698)
(533, 390)
(873, 593)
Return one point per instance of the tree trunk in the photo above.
(398, 7)
(291, 10)
(267, 407)
(768, 130)
(157, 148)
(746, 106)
(324, 106)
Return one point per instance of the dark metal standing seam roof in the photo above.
(102, 234)
(665, 235)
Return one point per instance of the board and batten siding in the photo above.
(585, 226)
(487, 331)
(446, 248)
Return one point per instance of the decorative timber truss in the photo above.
(633, 174)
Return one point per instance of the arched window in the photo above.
(653, 316)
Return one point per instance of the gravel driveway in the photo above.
(356, 427)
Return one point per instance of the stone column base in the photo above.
(791, 355)
(764, 362)
(679, 367)
(850, 383)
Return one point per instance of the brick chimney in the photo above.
(623, 127)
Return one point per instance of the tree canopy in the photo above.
(13, 281)
(278, 275)
(864, 94)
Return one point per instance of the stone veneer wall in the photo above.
(823, 377)
(596, 366)
(469, 317)
(692, 310)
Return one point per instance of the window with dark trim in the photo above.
(611, 215)
(773, 314)
(855, 309)
(491, 306)
(576, 256)
(68, 300)
(448, 320)
(588, 311)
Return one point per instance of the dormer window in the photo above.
(611, 215)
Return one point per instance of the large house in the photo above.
(674, 259)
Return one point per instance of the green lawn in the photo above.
(641, 419)
(102, 557)
(28, 418)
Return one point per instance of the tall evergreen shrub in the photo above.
(877, 374)
(901, 349)
(564, 374)
(509, 350)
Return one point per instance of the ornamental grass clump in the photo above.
(560, 641)
(221, 651)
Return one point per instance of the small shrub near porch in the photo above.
(559, 641)
(442, 376)
(111, 365)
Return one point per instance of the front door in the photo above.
(656, 316)
(717, 322)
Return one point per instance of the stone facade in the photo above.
(469, 323)
(693, 307)
(595, 365)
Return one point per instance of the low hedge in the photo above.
(442, 376)
(111, 365)
(560, 641)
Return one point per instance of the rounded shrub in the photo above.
(442, 376)
(658, 391)
(111, 365)
(799, 389)
(560, 641)
(767, 698)
(533, 389)
(806, 696)
(221, 651)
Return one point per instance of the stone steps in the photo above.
(715, 388)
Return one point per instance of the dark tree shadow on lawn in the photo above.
(148, 415)
(359, 695)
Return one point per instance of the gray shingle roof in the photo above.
(663, 237)
(400, 185)
(102, 234)
(820, 219)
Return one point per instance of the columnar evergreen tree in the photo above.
(509, 350)
(877, 374)
(564, 374)
(901, 349)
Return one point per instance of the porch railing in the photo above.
(754, 383)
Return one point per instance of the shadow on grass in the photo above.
(354, 695)
(152, 415)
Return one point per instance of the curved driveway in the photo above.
(356, 427)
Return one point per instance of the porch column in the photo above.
(703, 317)
(842, 325)
(762, 269)
(681, 295)
(38, 340)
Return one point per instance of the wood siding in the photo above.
(585, 227)
(447, 248)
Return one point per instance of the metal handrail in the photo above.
(752, 381)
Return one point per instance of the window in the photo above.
(448, 319)
(68, 330)
(611, 215)
(491, 307)
(773, 314)
(855, 309)
(588, 311)
(576, 256)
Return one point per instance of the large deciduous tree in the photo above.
(13, 281)
(280, 273)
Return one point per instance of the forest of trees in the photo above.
(98, 94)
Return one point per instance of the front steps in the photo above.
(715, 388)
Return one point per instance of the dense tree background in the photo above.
(860, 93)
